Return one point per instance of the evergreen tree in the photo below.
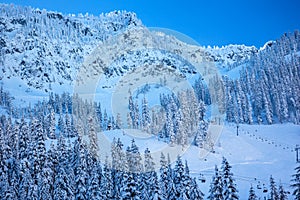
(201, 134)
(281, 193)
(171, 189)
(119, 166)
(178, 178)
(119, 123)
(131, 108)
(146, 120)
(150, 179)
(182, 132)
(45, 181)
(93, 138)
(81, 174)
(229, 187)
(51, 167)
(163, 181)
(68, 131)
(41, 148)
(61, 123)
(187, 182)
(252, 195)
(107, 182)
(273, 189)
(62, 184)
(134, 158)
(216, 187)
(105, 121)
(136, 122)
(129, 187)
(26, 180)
(23, 139)
(94, 189)
(296, 183)
(62, 187)
(195, 192)
(170, 127)
(51, 127)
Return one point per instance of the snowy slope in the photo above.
(255, 154)
(45, 49)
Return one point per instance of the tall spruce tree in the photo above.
(229, 187)
(216, 186)
(296, 183)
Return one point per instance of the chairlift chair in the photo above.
(259, 186)
(202, 178)
(265, 189)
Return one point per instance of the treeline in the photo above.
(44, 158)
(181, 120)
(34, 167)
(268, 89)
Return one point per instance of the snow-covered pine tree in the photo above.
(81, 174)
(170, 127)
(146, 120)
(182, 135)
(201, 134)
(273, 189)
(135, 168)
(195, 192)
(94, 189)
(119, 123)
(119, 166)
(129, 121)
(229, 187)
(62, 187)
(45, 181)
(105, 120)
(163, 181)
(93, 145)
(131, 108)
(134, 158)
(296, 183)
(178, 178)
(40, 147)
(61, 123)
(99, 115)
(187, 182)
(23, 139)
(107, 182)
(216, 186)
(136, 122)
(14, 140)
(150, 179)
(68, 131)
(26, 180)
(51, 127)
(52, 163)
(282, 195)
(128, 186)
(252, 195)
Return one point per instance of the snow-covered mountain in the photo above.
(45, 48)
(232, 55)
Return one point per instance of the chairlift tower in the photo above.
(297, 149)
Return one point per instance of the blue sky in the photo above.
(210, 22)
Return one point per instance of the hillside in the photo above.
(89, 103)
